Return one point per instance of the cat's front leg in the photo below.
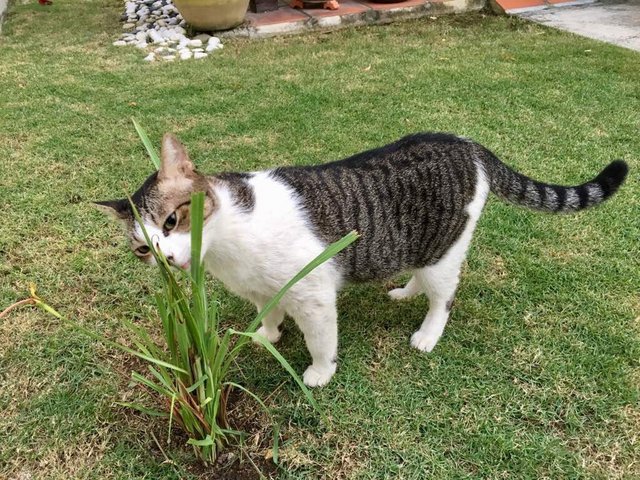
(319, 325)
(271, 322)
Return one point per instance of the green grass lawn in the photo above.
(537, 374)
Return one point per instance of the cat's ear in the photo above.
(118, 209)
(174, 160)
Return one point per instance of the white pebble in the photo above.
(185, 54)
(199, 55)
(119, 43)
(213, 41)
(149, 58)
(155, 36)
(203, 37)
(195, 43)
(169, 58)
(214, 46)
(141, 45)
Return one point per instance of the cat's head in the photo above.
(163, 202)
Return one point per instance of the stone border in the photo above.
(371, 16)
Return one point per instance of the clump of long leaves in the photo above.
(193, 374)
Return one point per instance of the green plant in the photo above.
(193, 373)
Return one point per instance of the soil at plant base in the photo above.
(247, 461)
(238, 470)
(246, 416)
(233, 462)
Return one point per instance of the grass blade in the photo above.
(197, 223)
(155, 159)
(207, 441)
(141, 408)
(267, 344)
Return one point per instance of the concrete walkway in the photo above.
(612, 21)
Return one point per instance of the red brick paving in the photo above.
(517, 4)
(286, 20)
(347, 7)
(393, 6)
(282, 15)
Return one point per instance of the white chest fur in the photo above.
(255, 253)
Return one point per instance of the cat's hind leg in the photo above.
(411, 289)
(441, 279)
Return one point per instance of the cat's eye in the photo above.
(142, 250)
(170, 222)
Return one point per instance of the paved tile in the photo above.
(288, 21)
(347, 7)
(616, 22)
(517, 4)
(282, 15)
(393, 6)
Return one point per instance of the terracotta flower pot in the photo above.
(212, 14)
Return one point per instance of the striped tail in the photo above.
(524, 191)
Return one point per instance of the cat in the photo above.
(414, 202)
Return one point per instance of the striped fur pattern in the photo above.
(408, 199)
(415, 202)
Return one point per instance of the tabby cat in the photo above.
(414, 202)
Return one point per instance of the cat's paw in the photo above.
(398, 294)
(424, 341)
(315, 376)
(270, 334)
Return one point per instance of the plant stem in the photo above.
(26, 301)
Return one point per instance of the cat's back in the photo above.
(410, 152)
(406, 199)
